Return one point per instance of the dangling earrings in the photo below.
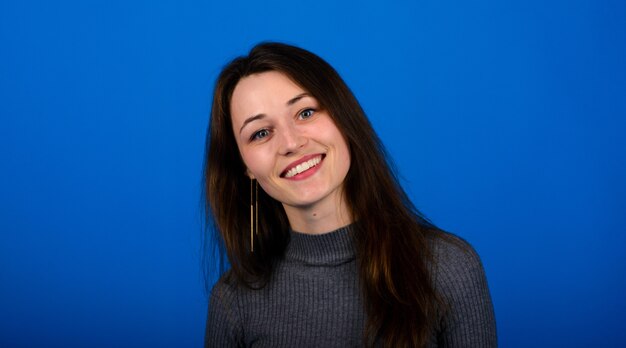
(254, 212)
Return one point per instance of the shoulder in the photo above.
(457, 272)
(224, 297)
(467, 318)
(224, 318)
(224, 289)
(454, 261)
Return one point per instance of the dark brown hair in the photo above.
(391, 235)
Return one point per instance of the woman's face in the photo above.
(288, 144)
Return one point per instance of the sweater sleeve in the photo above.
(468, 319)
(223, 326)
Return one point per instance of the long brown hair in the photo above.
(391, 235)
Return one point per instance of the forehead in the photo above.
(259, 93)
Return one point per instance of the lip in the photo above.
(302, 160)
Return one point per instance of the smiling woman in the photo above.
(325, 248)
(294, 150)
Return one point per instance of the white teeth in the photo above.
(303, 166)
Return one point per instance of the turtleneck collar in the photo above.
(332, 248)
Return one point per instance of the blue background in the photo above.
(505, 120)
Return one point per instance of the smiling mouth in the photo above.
(303, 167)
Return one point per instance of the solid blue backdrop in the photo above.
(505, 120)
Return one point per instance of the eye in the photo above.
(306, 113)
(260, 134)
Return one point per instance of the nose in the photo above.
(291, 140)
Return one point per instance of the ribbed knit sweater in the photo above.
(314, 299)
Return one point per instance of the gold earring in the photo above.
(254, 212)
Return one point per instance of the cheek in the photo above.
(341, 144)
(249, 162)
(345, 154)
(257, 163)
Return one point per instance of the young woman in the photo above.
(325, 247)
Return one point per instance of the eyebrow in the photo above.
(261, 116)
(296, 98)
(250, 119)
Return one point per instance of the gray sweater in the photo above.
(314, 299)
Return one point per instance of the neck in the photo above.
(318, 218)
